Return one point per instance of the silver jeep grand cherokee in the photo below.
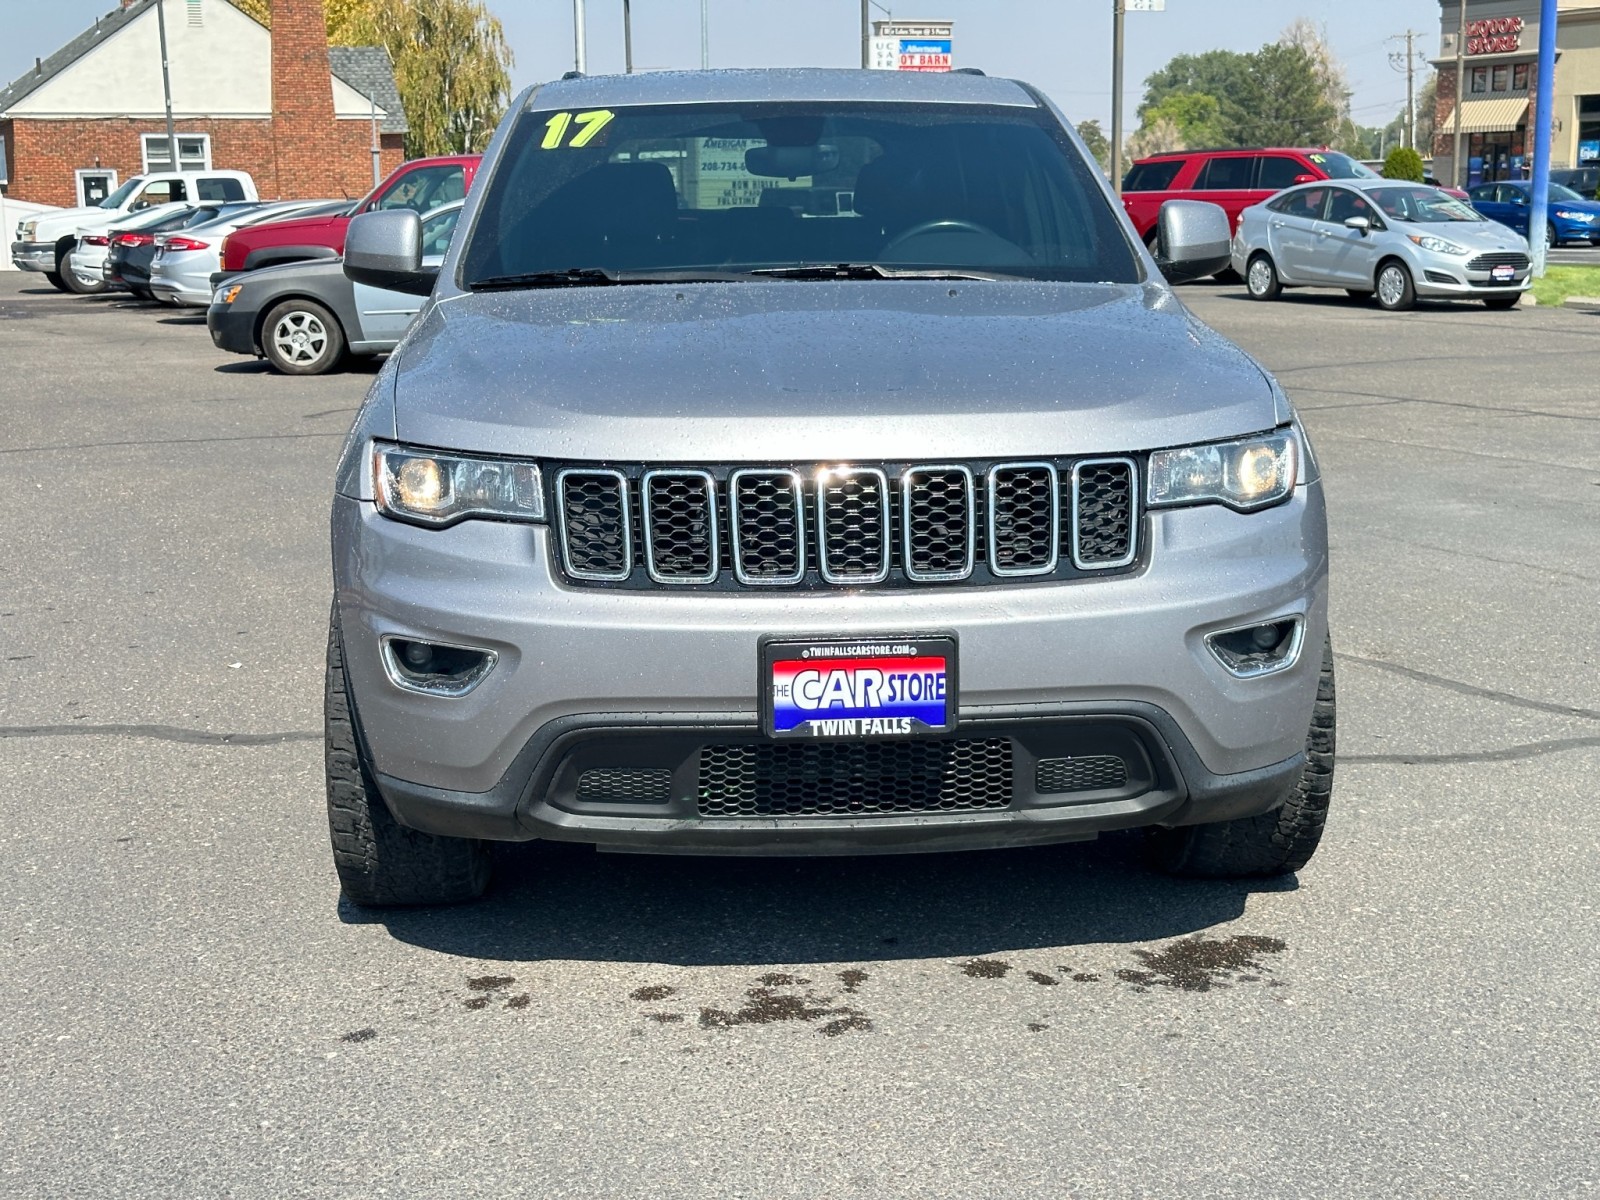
(815, 462)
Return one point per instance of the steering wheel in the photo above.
(949, 225)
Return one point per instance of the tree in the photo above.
(1283, 101)
(1160, 135)
(1304, 34)
(451, 64)
(1285, 94)
(339, 15)
(1095, 139)
(1403, 163)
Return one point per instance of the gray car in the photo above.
(1395, 240)
(815, 462)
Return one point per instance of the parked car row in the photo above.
(269, 273)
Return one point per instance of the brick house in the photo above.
(302, 118)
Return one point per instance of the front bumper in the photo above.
(232, 328)
(616, 673)
(1446, 276)
(33, 256)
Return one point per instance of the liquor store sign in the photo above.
(1497, 35)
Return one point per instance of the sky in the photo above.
(1062, 46)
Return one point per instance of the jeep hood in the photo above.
(818, 371)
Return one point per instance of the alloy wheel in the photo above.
(300, 338)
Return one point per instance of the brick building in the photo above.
(302, 118)
(1500, 72)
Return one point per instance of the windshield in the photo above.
(1341, 166)
(1425, 205)
(116, 199)
(1558, 192)
(694, 188)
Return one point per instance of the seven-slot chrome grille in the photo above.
(903, 524)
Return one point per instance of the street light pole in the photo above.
(705, 35)
(166, 82)
(866, 34)
(579, 60)
(627, 36)
(1118, 13)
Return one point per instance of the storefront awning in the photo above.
(1489, 116)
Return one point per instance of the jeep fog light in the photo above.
(434, 668)
(1264, 649)
(429, 488)
(1247, 474)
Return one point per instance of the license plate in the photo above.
(1503, 274)
(889, 687)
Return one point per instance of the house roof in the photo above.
(63, 58)
(367, 69)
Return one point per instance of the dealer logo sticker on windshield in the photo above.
(899, 687)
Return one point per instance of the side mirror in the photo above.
(1193, 240)
(384, 250)
(1360, 224)
(1299, 179)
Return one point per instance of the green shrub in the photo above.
(1403, 163)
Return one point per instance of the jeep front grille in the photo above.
(896, 525)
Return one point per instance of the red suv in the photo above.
(1235, 179)
(421, 184)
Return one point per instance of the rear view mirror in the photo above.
(790, 162)
(1193, 240)
(384, 250)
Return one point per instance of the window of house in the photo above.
(1480, 79)
(1502, 79)
(1519, 77)
(194, 152)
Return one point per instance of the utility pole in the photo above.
(1460, 179)
(866, 34)
(1118, 19)
(627, 36)
(579, 59)
(1409, 66)
(705, 35)
(166, 84)
(377, 146)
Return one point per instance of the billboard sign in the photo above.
(912, 45)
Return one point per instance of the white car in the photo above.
(87, 261)
(45, 243)
(185, 261)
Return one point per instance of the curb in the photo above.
(1586, 303)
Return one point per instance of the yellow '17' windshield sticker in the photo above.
(588, 127)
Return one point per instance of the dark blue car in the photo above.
(1571, 219)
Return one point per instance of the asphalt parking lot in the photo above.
(189, 1010)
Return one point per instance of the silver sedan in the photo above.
(1399, 241)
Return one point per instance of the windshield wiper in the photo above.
(875, 271)
(598, 277)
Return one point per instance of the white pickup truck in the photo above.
(45, 243)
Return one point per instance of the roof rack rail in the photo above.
(966, 71)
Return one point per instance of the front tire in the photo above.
(53, 278)
(379, 861)
(1396, 290)
(1273, 843)
(300, 337)
(1261, 279)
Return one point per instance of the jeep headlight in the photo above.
(1246, 474)
(430, 488)
(1437, 245)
